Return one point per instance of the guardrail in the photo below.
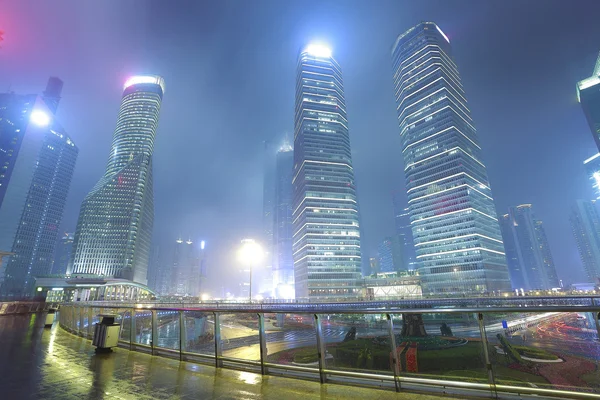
(24, 307)
(548, 351)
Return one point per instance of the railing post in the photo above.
(132, 333)
(90, 322)
(154, 337)
(320, 349)
(390, 324)
(218, 343)
(484, 341)
(263, 342)
(181, 334)
(81, 330)
(73, 325)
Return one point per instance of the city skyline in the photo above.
(374, 231)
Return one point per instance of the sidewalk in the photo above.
(40, 363)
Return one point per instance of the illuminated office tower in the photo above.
(585, 225)
(115, 223)
(283, 260)
(455, 228)
(530, 261)
(326, 238)
(62, 255)
(592, 169)
(588, 94)
(37, 160)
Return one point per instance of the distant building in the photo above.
(588, 94)
(592, 169)
(327, 255)
(185, 269)
(585, 224)
(530, 262)
(62, 255)
(454, 223)
(373, 265)
(283, 259)
(269, 182)
(37, 160)
(404, 231)
(390, 254)
(114, 229)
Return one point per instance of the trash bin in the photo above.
(50, 317)
(106, 333)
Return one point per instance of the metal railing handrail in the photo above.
(73, 316)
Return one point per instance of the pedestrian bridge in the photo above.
(511, 347)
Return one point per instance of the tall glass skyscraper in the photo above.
(455, 227)
(37, 160)
(283, 260)
(588, 94)
(585, 224)
(115, 223)
(326, 244)
(530, 261)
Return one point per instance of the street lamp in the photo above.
(250, 253)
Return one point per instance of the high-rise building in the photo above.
(269, 195)
(373, 265)
(585, 224)
(114, 229)
(327, 256)
(390, 254)
(283, 260)
(404, 231)
(37, 160)
(455, 228)
(185, 270)
(588, 94)
(530, 262)
(62, 255)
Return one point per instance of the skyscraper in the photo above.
(326, 246)
(390, 255)
(585, 224)
(457, 237)
(115, 223)
(37, 160)
(588, 94)
(185, 270)
(283, 260)
(404, 231)
(530, 261)
(64, 248)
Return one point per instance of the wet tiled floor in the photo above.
(38, 363)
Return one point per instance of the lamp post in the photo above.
(250, 253)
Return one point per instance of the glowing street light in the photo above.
(250, 253)
(39, 118)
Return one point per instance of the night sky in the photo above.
(230, 67)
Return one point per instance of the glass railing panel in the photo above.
(168, 329)
(125, 332)
(551, 350)
(357, 343)
(142, 327)
(291, 340)
(443, 346)
(199, 335)
(239, 336)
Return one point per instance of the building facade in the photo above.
(37, 160)
(389, 253)
(592, 170)
(454, 223)
(114, 229)
(585, 225)
(326, 244)
(64, 249)
(404, 231)
(588, 94)
(528, 255)
(283, 260)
